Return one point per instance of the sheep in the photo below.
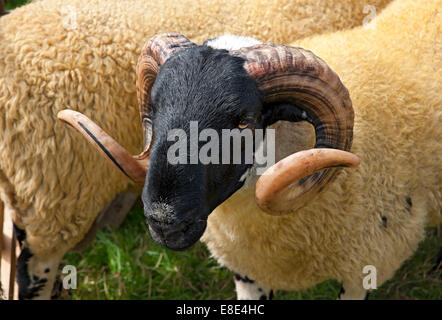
(83, 54)
(295, 226)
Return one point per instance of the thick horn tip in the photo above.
(348, 160)
(354, 160)
(67, 115)
(273, 187)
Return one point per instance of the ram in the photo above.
(303, 221)
(83, 54)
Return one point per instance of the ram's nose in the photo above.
(161, 217)
(176, 231)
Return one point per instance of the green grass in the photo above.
(11, 4)
(127, 264)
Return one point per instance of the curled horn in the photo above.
(155, 52)
(293, 75)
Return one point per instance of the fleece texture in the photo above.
(58, 54)
(375, 214)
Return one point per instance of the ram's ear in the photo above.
(283, 112)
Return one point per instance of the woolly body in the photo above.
(373, 215)
(47, 173)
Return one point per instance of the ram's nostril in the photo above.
(160, 213)
(168, 229)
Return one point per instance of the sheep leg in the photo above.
(247, 289)
(351, 292)
(35, 276)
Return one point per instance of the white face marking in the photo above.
(232, 42)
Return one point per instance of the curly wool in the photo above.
(372, 215)
(50, 61)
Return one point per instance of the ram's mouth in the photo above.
(180, 239)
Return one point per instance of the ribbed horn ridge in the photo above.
(293, 75)
(155, 52)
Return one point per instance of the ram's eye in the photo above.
(248, 121)
(243, 125)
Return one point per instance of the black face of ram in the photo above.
(208, 88)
